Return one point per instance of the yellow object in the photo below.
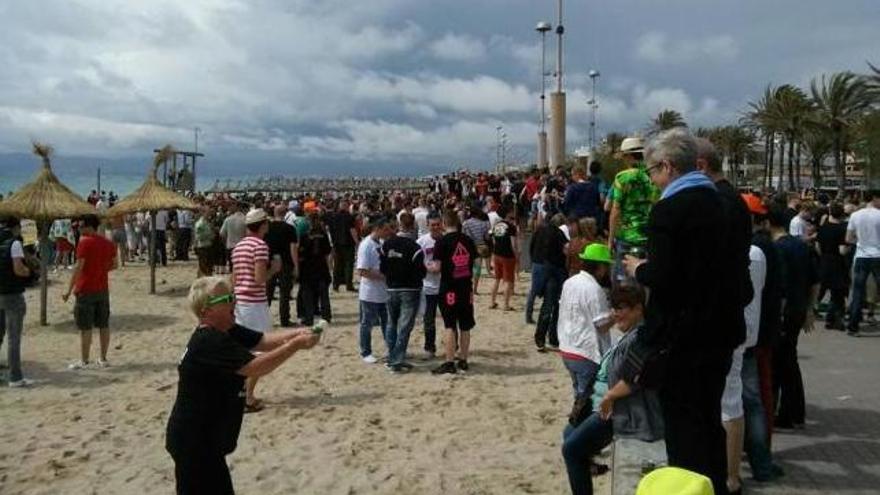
(28, 232)
(674, 481)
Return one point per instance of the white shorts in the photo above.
(732, 400)
(255, 316)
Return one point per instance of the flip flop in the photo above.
(494, 306)
(257, 406)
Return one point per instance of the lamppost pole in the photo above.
(557, 102)
(543, 28)
(594, 106)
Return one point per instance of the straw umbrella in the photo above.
(44, 200)
(151, 197)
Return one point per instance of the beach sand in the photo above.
(332, 424)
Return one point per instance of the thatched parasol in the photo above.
(151, 197)
(43, 200)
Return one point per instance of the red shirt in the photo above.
(247, 253)
(97, 254)
(532, 186)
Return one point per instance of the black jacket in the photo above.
(687, 233)
(548, 246)
(735, 278)
(771, 296)
(403, 263)
(10, 283)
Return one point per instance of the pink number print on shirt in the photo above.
(461, 262)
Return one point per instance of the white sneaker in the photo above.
(77, 365)
(102, 364)
(370, 359)
(24, 382)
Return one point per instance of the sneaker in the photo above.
(397, 369)
(446, 368)
(430, 354)
(77, 365)
(406, 366)
(541, 348)
(462, 364)
(370, 359)
(102, 364)
(24, 382)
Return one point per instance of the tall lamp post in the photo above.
(557, 103)
(498, 133)
(543, 28)
(594, 106)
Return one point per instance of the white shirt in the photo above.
(184, 219)
(797, 227)
(290, 218)
(758, 273)
(370, 290)
(431, 283)
(161, 220)
(565, 231)
(421, 214)
(16, 250)
(494, 218)
(865, 224)
(582, 300)
(233, 229)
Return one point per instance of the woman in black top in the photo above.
(833, 271)
(206, 419)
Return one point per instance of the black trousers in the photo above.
(181, 249)
(315, 297)
(161, 251)
(554, 278)
(343, 266)
(202, 475)
(284, 281)
(691, 400)
(788, 384)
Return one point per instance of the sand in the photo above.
(332, 424)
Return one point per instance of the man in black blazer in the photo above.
(691, 298)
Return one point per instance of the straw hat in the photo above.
(152, 195)
(256, 215)
(633, 144)
(45, 198)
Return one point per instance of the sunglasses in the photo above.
(650, 170)
(222, 299)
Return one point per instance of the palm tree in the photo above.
(761, 120)
(613, 140)
(841, 99)
(791, 108)
(818, 143)
(665, 120)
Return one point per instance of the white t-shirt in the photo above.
(431, 283)
(565, 231)
(184, 219)
(494, 218)
(370, 290)
(865, 223)
(421, 215)
(752, 313)
(582, 300)
(161, 221)
(797, 227)
(16, 250)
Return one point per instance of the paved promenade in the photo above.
(839, 450)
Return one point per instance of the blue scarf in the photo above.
(687, 181)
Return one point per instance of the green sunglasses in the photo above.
(222, 299)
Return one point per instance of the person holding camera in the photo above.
(205, 422)
(14, 277)
(250, 272)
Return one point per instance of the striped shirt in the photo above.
(247, 253)
(476, 229)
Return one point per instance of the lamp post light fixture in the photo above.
(543, 28)
(594, 107)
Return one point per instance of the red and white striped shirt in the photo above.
(247, 253)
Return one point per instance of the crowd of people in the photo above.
(674, 300)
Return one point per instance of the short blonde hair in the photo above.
(200, 291)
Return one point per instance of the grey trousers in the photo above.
(12, 310)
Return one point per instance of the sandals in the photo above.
(494, 306)
(254, 407)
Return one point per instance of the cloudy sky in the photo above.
(414, 85)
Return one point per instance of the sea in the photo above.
(120, 184)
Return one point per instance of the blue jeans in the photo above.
(583, 375)
(370, 314)
(537, 283)
(757, 446)
(862, 267)
(430, 322)
(579, 445)
(12, 310)
(402, 308)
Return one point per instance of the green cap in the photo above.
(596, 252)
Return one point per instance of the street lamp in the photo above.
(498, 133)
(543, 28)
(594, 106)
